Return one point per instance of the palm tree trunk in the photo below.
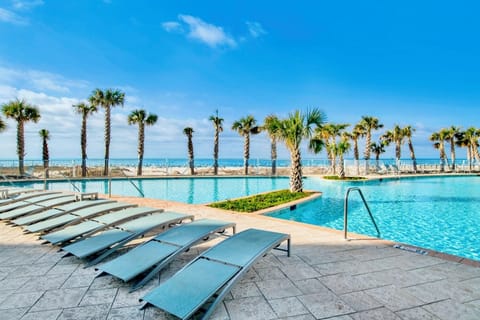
(45, 156)
(469, 158)
(215, 152)
(190, 155)
(452, 153)
(107, 140)
(296, 183)
(368, 143)
(20, 147)
(442, 157)
(246, 153)
(141, 147)
(273, 153)
(356, 156)
(412, 155)
(342, 167)
(83, 142)
(398, 152)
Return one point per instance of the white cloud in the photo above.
(11, 17)
(27, 5)
(255, 28)
(172, 26)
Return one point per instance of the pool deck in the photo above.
(325, 278)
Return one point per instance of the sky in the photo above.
(407, 63)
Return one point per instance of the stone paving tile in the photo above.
(30, 270)
(13, 314)
(129, 313)
(450, 309)
(376, 314)
(299, 271)
(394, 298)
(250, 308)
(275, 289)
(444, 289)
(99, 296)
(124, 298)
(245, 289)
(324, 305)
(220, 313)
(43, 283)
(42, 315)
(416, 314)
(270, 273)
(251, 276)
(97, 312)
(4, 294)
(13, 283)
(360, 301)
(309, 286)
(61, 298)
(155, 314)
(308, 317)
(342, 283)
(78, 281)
(20, 300)
(287, 307)
(107, 281)
(63, 268)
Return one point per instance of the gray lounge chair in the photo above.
(27, 202)
(210, 276)
(88, 227)
(38, 207)
(159, 251)
(58, 211)
(8, 193)
(107, 242)
(77, 215)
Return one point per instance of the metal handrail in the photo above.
(345, 212)
(68, 179)
(132, 183)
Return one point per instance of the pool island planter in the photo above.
(291, 204)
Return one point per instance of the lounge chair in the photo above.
(38, 207)
(58, 211)
(6, 193)
(77, 215)
(159, 251)
(88, 227)
(107, 242)
(211, 275)
(27, 202)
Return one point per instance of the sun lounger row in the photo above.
(95, 229)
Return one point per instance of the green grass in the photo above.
(344, 179)
(260, 201)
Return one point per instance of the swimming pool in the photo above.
(439, 213)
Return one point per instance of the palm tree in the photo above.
(3, 125)
(469, 139)
(143, 119)
(45, 135)
(245, 127)
(217, 124)
(189, 133)
(292, 131)
(439, 143)
(368, 124)
(341, 148)
(377, 149)
(356, 133)
(21, 111)
(107, 99)
(270, 125)
(408, 133)
(328, 133)
(396, 135)
(451, 136)
(85, 110)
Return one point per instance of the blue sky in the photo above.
(409, 63)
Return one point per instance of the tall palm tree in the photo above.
(218, 125)
(439, 143)
(357, 133)
(245, 127)
(85, 110)
(396, 135)
(45, 135)
(408, 133)
(21, 112)
(452, 135)
(377, 149)
(368, 124)
(188, 131)
(292, 131)
(270, 125)
(107, 99)
(469, 139)
(340, 149)
(143, 119)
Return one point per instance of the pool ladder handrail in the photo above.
(345, 212)
(131, 182)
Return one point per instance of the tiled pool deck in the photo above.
(326, 278)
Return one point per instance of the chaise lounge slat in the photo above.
(26, 202)
(156, 253)
(96, 224)
(11, 195)
(212, 274)
(37, 207)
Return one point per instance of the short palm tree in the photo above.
(396, 135)
(439, 143)
(328, 133)
(357, 133)
(377, 149)
(292, 131)
(368, 124)
(218, 125)
(107, 99)
(189, 133)
(245, 127)
(85, 110)
(270, 125)
(143, 119)
(45, 135)
(21, 112)
(341, 148)
(408, 133)
(452, 135)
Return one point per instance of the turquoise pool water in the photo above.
(439, 213)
